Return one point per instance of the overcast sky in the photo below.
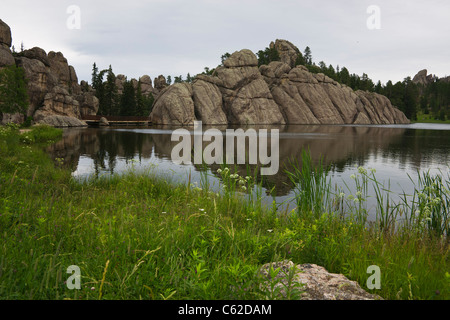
(179, 36)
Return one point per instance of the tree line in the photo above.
(130, 102)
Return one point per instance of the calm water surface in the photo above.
(394, 151)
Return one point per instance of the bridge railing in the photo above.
(115, 118)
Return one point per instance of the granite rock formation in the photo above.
(238, 92)
(55, 96)
(314, 283)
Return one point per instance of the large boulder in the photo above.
(40, 81)
(422, 78)
(6, 57)
(36, 53)
(208, 103)
(62, 121)
(58, 102)
(312, 282)
(174, 105)
(160, 83)
(88, 103)
(308, 98)
(146, 85)
(287, 51)
(246, 96)
(5, 34)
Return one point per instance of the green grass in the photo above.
(428, 118)
(140, 237)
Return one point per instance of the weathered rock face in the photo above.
(58, 102)
(88, 103)
(160, 83)
(422, 78)
(5, 34)
(146, 84)
(287, 51)
(6, 57)
(315, 282)
(280, 93)
(174, 105)
(235, 94)
(307, 98)
(52, 84)
(207, 100)
(62, 121)
(11, 118)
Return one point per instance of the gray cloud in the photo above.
(178, 36)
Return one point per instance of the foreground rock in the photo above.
(279, 93)
(315, 282)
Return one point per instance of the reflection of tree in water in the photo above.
(341, 147)
(116, 144)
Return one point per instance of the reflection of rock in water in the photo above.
(68, 148)
(103, 146)
(338, 145)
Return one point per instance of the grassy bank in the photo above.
(141, 237)
(428, 118)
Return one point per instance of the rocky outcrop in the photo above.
(235, 94)
(174, 105)
(238, 92)
(58, 107)
(160, 83)
(6, 57)
(5, 34)
(52, 84)
(207, 100)
(287, 51)
(311, 282)
(423, 78)
(62, 121)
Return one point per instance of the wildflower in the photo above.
(201, 210)
(362, 170)
(219, 171)
(341, 195)
(270, 230)
(358, 193)
(92, 288)
(244, 188)
(353, 177)
(247, 178)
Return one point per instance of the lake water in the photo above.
(394, 151)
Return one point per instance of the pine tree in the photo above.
(308, 56)
(13, 90)
(111, 94)
(128, 105)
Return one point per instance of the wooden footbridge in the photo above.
(117, 120)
